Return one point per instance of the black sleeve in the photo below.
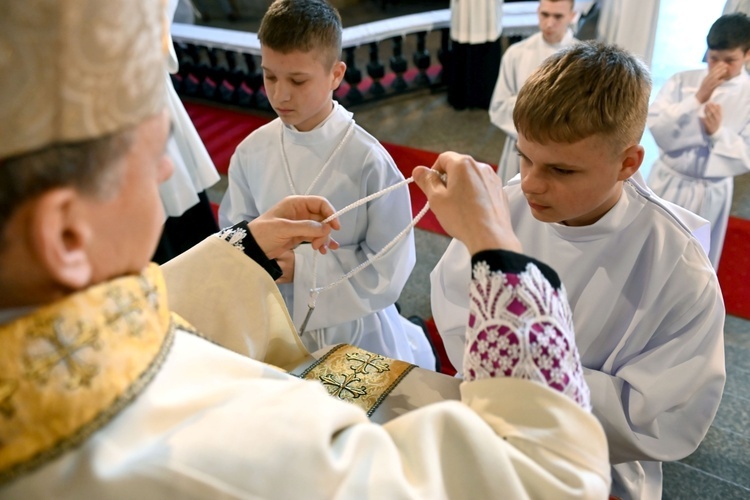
(250, 247)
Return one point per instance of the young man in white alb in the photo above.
(646, 302)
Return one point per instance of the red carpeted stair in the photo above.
(734, 268)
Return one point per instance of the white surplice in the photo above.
(630, 25)
(649, 317)
(476, 21)
(360, 311)
(213, 423)
(517, 64)
(695, 170)
(194, 170)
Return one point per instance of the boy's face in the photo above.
(300, 85)
(572, 184)
(732, 59)
(554, 19)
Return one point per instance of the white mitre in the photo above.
(72, 70)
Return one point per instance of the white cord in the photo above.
(315, 291)
(288, 170)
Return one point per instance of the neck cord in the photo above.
(288, 170)
(315, 291)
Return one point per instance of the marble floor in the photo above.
(720, 468)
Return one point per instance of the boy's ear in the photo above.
(632, 158)
(338, 71)
(59, 236)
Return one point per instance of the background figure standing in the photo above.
(189, 215)
(518, 62)
(701, 122)
(629, 24)
(474, 58)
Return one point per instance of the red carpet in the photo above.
(734, 268)
(222, 129)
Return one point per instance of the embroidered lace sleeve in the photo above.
(520, 325)
(240, 237)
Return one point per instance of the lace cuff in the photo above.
(240, 237)
(520, 325)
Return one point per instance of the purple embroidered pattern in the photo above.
(520, 326)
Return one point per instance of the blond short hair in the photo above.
(584, 90)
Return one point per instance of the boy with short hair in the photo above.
(315, 147)
(646, 302)
(701, 122)
(518, 62)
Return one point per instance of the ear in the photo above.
(59, 237)
(338, 71)
(631, 161)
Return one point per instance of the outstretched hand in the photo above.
(471, 204)
(294, 220)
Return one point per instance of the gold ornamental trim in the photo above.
(69, 368)
(357, 376)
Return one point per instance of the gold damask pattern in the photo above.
(68, 368)
(357, 376)
(73, 70)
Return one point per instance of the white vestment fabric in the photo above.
(360, 311)
(476, 21)
(516, 65)
(194, 170)
(695, 170)
(648, 315)
(217, 424)
(629, 24)
(733, 6)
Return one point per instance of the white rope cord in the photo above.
(315, 291)
(288, 169)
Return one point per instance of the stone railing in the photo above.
(223, 65)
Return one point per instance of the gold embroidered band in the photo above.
(357, 376)
(70, 367)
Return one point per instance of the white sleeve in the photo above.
(659, 404)
(504, 96)
(238, 203)
(673, 118)
(449, 301)
(730, 151)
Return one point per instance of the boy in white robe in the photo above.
(518, 62)
(646, 302)
(105, 394)
(315, 147)
(701, 122)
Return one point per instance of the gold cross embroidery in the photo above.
(64, 347)
(363, 361)
(338, 385)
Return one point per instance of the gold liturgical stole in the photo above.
(69, 367)
(384, 388)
